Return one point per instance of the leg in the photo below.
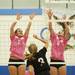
(21, 70)
(62, 70)
(12, 70)
(31, 70)
(53, 71)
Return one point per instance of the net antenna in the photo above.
(12, 3)
(39, 3)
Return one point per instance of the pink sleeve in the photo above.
(53, 36)
(12, 37)
(65, 41)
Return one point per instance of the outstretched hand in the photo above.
(35, 36)
(49, 13)
(32, 16)
(18, 17)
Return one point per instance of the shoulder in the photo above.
(13, 36)
(43, 50)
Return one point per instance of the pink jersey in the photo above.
(17, 47)
(58, 46)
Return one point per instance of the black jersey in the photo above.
(39, 61)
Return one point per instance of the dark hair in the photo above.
(69, 36)
(15, 31)
(30, 47)
(62, 24)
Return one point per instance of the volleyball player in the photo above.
(37, 59)
(17, 47)
(59, 42)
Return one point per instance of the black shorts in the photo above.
(46, 72)
(57, 65)
(17, 65)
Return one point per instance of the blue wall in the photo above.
(21, 11)
(4, 70)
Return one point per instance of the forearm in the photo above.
(66, 28)
(42, 40)
(50, 28)
(66, 31)
(29, 25)
(12, 28)
(18, 17)
(28, 56)
(50, 16)
(28, 28)
(13, 25)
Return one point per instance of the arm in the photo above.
(28, 56)
(18, 17)
(12, 28)
(74, 36)
(42, 40)
(69, 47)
(29, 24)
(66, 31)
(50, 28)
(50, 14)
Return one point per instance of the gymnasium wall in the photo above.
(39, 23)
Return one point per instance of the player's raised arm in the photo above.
(42, 40)
(18, 17)
(29, 24)
(66, 31)
(50, 14)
